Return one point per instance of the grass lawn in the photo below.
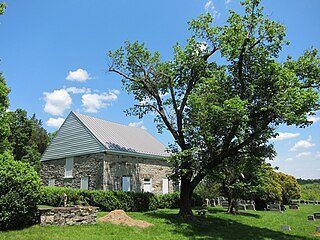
(216, 224)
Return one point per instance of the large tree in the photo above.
(28, 139)
(4, 104)
(223, 94)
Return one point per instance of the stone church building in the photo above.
(91, 153)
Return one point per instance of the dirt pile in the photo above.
(120, 217)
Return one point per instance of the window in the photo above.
(126, 182)
(69, 167)
(51, 182)
(84, 183)
(147, 186)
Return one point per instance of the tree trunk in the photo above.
(233, 206)
(186, 198)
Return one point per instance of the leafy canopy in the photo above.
(224, 92)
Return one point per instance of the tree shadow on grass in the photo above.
(241, 213)
(212, 228)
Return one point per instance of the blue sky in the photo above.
(53, 56)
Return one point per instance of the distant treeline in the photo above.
(307, 181)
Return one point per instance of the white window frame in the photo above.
(82, 185)
(69, 167)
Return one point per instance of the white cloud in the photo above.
(55, 122)
(288, 159)
(57, 102)
(285, 135)
(314, 119)
(302, 144)
(93, 102)
(317, 155)
(79, 75)
(76, 90)
(137, 125)
(303, 154)
(209, 7)
(227, 1)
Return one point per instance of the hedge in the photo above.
(111, 200)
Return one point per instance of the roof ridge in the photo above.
(100, 119)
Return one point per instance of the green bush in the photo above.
(19, 193)
(170, 200)
(111, 200)
(105, 200)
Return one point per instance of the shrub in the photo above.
(19, 193)
(111, 200)
(170, 200)
(105, 200)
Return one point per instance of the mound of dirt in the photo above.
(120, 217)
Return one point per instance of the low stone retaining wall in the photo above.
(68, 215)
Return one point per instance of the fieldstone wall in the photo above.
(87, 165)
(68, 216)
(116, 167)
(105, 171)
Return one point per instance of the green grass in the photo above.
(216, 224)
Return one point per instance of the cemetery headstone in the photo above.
(316, 215)
(286, 227)
(311, 218)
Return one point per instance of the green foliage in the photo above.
(290, 187)
(307, 181)
(51, 136)
(280, 187)
(4, 104)
(220, 110)
(208, 188)
(19, 193)
(171, 200)
(111, 200)
(28, 139)
(310, 191)
(3, 7)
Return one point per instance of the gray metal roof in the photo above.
(121, 138)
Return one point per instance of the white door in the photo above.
(165, 186)
(126, 184)
(84, 183)
(147, 186)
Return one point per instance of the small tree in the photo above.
(243, 180)
(290, 187)
(19, 193)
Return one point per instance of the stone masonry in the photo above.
(105, 171)
(115, 167)
(87, 165)
(68, 216)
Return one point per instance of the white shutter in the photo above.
(165, 186)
